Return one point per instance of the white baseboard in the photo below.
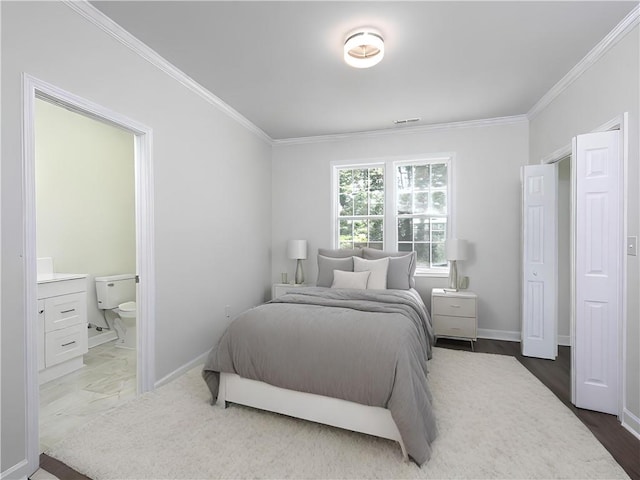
(19, 470)
(499, 335)
(631, 423)
(510, 336)
(104, 337)
(182, 370)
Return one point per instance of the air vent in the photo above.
(406, 120)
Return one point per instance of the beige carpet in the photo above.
(496, 420)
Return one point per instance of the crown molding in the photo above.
(613, 37)
(487, 122)
(99, 19)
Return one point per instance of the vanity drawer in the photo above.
(62, 345)
(454, 306)
(449, 326)
(65, 310)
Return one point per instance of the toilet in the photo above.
(117, 293)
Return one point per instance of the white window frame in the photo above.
(390, 164)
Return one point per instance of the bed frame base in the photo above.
(353, 416)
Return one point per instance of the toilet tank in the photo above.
(115, 289)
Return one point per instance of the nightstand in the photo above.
(454, 314)
(278, 289)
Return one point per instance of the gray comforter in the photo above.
(365, 346)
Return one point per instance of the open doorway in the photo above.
(85, 212)
(144, 274)
(564, 251)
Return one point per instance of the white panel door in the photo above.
(599, 257)
(540, 262)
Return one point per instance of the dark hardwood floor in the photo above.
(554, 374)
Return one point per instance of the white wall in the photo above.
(604, 91)
(85, 197)
(487, 184)
(212, 185)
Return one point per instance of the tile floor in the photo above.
(108, 379)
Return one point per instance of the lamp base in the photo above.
(299, 279)
(453, 276)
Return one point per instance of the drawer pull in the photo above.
(68, 311)
(454, 306)
(69, 343)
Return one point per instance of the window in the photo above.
(409, 212)
(361, 207)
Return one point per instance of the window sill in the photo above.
(432, 274)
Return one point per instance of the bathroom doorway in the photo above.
(40, 94)
(85, 225)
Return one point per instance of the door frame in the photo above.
(33, 88)
(620, 123)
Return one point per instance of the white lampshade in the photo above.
(456, 249)
(297, 249)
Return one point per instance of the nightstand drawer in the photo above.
(454, 306)
(449, 326)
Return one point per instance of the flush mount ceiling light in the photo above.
(364, 48)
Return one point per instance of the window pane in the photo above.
(375, 231)
(438, 175)
(424, 254)
(345, 180)
(360, 231)
(404, 175)
(421, 229)
(360, 177)
(404, 230)
(405, 247)
(438, 202)
(438, 229)
(438, 258)
(376, 245)
(360, 203)
(404, 203)
(376, 203)
(346, 205)
(421, 177)
(376, 180)
(421, 203)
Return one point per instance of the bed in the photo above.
(354, 358)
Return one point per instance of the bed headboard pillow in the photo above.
(340, 252)
(326, 266)
(357, 280)
(402, 267)
(378, 269)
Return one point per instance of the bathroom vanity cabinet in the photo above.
(62, 324)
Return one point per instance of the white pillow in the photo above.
(342, 279)
(378, 269)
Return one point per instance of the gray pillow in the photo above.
(326, 266)
(340, 252)
(402, 267)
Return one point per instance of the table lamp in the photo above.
(455, 250)
(297, 250)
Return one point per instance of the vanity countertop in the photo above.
(58, 277)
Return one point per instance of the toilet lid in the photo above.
(127, 307)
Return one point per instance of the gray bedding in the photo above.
(365, 346)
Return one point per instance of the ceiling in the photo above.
(280, 64)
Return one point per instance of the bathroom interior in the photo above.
(85, 243)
